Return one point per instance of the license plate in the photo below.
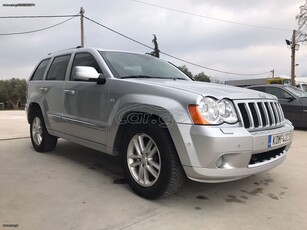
(279, 139)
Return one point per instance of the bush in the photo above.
(13, 93)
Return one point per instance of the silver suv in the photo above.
(164, 125)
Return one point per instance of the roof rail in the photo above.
(77, 47)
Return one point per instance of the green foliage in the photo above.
(302, 26)
(185, 70)
(156, 51)
(13, 92)
(198, 77)
(202, 77)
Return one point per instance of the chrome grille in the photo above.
(260, 114)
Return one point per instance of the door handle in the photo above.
(70, 92)
(43, 89)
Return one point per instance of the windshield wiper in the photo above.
(179, 78)
(136, 76)
(146, 76)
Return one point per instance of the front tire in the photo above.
(41, 140)
(150, 161)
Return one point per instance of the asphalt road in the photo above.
(74, 187)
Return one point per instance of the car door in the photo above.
(85, 104)
(304, 113)
(52, 89)
(291, 105)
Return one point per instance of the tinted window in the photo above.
(277, 92)
(58, 68)
(84, 59)
(262, 89)
(40, 70)
(297, 92)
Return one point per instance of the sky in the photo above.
(198, 31)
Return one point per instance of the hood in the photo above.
(211, 89)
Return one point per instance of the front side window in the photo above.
(84, 59)
(40, 70)
(58, 68)
(279, 93)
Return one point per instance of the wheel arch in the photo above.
(125, 123)
(32, 107)
(172, 129)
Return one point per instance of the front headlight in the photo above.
(213, 111)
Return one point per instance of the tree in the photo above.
(202, 77)
(302, 24)
(185, 70)
(156, 51)
(13, 92)
(198, 77)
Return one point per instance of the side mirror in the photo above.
(289, 98)
(87, 73)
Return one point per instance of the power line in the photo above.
(108, 28)
(172, 56)
(121, 34)
(39, 16)
(38, 30)
(212, 18)
(212, 69)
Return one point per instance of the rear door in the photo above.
(304, 114)
(52, 89)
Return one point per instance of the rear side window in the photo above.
(58, 68)
(84, 59)
(262, 89)
(40, 70)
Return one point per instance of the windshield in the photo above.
(130, 65)
(296, 91)
(302, 86)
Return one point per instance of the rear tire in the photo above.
(41, 140)
(150, 161)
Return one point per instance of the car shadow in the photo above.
(241, 191)
(300, 128)
(106, 164)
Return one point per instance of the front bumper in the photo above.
(215, 154)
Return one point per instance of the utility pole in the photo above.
(293, 46)
(82, 25)
(273, 73)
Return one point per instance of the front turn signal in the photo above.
(196, 115)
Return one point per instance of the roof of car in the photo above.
(78, 48)
(275, 85)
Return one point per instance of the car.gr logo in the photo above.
(143, 114)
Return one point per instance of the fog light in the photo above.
(219, 162)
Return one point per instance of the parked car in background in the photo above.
(302, 86)
(164, 125)
(292, 99)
